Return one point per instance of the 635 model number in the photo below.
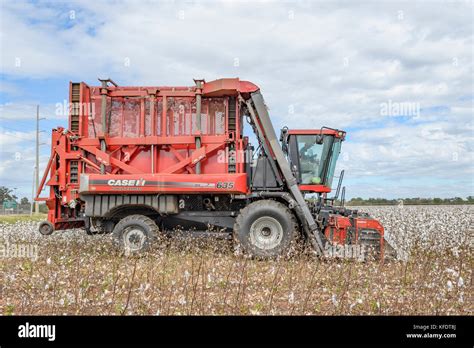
(225, 185)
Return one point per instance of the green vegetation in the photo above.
(6, 194)
(11, 219)
(11, 204)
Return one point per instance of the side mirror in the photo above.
(319, 139)
(283, 133)
(284, 139)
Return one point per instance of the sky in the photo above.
(396, 75)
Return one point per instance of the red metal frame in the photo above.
(146, 127)
(335, 132)
(314, 188)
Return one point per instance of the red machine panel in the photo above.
(151, 134)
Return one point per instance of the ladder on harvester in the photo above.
(75, 107)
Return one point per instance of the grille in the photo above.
(232, 116)
(74, 171)
(370, 237)
(232, 127)
(191, 202)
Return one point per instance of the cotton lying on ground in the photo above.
(79, 274)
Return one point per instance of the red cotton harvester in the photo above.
(141, 161)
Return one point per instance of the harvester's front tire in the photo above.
(135, 234)
(265, 229)
(45, 228)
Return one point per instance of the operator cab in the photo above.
(312, 155)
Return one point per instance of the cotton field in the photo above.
(73, 273)
(436, 228)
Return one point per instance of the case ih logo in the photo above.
(139, 182)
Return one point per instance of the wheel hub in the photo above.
(134, 238)
(266, 233)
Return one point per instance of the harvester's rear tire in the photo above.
(265, 229)
(45, 228)
(135, 234)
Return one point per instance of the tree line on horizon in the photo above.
(6, 194)
(410, 201)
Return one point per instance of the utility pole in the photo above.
(37, 158)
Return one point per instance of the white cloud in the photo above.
(331, 63)
(27, 111)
